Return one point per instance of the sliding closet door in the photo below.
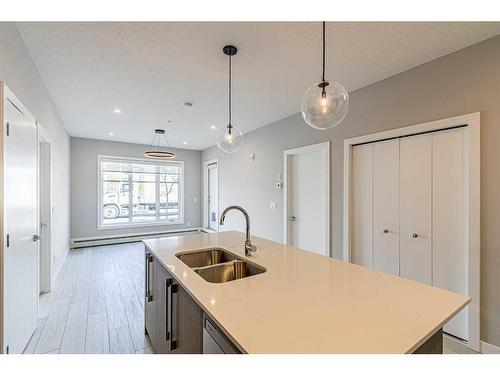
(362, 205)
(415, 208)
(386, 206)
(450, 268)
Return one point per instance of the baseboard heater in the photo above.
(77, 243)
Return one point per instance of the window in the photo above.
(139, 192)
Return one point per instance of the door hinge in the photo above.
(7, 349)
(8, 240)
(8, 129)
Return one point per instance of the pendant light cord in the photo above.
(324, 44)
(230, 94)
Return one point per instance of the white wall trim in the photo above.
(44, 164)
(205, 191)
(487, 348)
(472, 121)
(325, 147)
(130, 237)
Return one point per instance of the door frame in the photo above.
(205, 191)
(325, 147)
(44, 187)
(471, 123)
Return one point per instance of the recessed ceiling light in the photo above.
(184, 143)
(213, 127)
(117, 110)
(111, 133)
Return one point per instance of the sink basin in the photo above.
(206, 257)
(234, 270)
(217, 265)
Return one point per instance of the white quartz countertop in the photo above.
(308, 303)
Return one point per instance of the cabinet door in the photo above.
(362, 205)
(189, 324)
(162, 278)
(179, 318)
(386, 206)
(415, 208)
(150, 299)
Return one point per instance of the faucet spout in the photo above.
(249, 248)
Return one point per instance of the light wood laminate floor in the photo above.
(97, 305)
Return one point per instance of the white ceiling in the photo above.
(150, 69)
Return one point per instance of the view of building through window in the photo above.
(134, 191)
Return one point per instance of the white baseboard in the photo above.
(129, 237)
(487, 348)
(54, 276)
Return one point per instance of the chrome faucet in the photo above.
(249, 248)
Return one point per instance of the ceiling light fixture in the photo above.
(117, 110)
(213, 127)
(184, 143)
(157, 153)
(325, 105)
(111, 134)
(231, 140)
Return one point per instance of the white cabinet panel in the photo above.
(362, 205)
(450, 268)
(386, 206)
(415, 208)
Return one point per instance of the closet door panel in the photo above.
(450, 268)
(386, 206)
(362, 205)
(415, 208)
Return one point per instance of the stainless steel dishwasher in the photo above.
(214, 341)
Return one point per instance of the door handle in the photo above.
(171, 290)
(292, 218)
(148, 295)
(36, 237)
(385, 231)
(414, 235)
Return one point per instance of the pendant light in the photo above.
(231, 139)
(324, 105)
(155, 152)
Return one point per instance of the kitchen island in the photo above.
(302, 303)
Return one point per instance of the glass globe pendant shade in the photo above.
(325, 108)
(230, 140)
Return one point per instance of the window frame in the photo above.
(101, 226)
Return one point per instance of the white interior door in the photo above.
(20, 216)
(213, 196)
(362, 205)
(386, 206)
(449, 240)
(308, 190)
(416, 204)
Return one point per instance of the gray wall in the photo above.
(84, 186)
(463, 82)
(18, 71)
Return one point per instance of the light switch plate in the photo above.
(273, 205)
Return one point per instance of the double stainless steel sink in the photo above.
(217, 265)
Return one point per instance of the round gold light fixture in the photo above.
(155, 152)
